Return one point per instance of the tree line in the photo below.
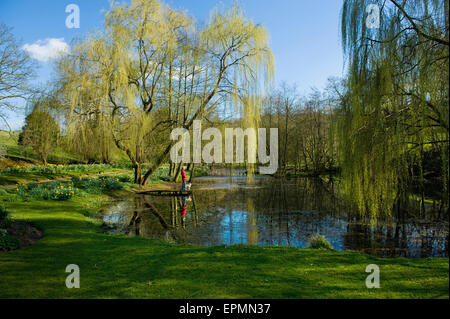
(383, 127)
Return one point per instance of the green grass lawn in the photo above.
(130, 267)
(28, 177)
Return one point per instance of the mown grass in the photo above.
(131, 267)
(13, 150)
(23, 164)
(28, 176)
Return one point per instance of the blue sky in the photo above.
(304, 34)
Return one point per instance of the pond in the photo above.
(268, 211)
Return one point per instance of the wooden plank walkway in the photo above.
(166, 193)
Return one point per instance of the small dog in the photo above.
(188, 186)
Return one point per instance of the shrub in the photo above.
(4, 218)
(21, 189)
(97, 186)
(89, 185)
(75, 180)
(166, 178)
(126, 178)
(8, 242)
(52, 190)
(40, 193)
(110, 183)
(63, 192)
(318, 241)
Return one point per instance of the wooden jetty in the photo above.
(168, 193)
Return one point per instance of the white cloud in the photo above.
(45, 50)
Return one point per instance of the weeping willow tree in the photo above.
(87, 128)
(91, 139)
(153, 69)
(249, 109)
(396, 107)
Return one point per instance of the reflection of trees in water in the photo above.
(148, 221)
(135, 222)
(161, 217)
(252, 228)
(276, 209)
(269, 211)
(293, 210)
(401, 236)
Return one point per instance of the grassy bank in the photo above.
(11, 149)
(123, 267)
(54, 172)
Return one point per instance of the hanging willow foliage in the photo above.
(397, 104)
(154, 69)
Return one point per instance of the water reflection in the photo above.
(267, 211)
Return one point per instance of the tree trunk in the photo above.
(138, 174)
(171, 169)
(286, 139)
(192, 173)
(158, 163)
(177, 175)
(44, 159)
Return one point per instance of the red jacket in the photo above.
(183, 175)
(183, 211)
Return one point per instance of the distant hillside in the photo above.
(14, 155)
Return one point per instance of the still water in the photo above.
(267, 211)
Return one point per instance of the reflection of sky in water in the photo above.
(233, 228)
(269, 212)
(115, 214)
